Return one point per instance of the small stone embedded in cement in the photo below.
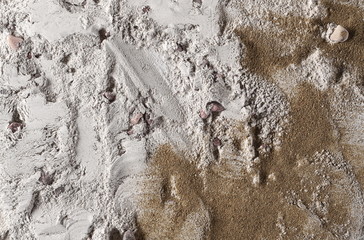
(215, 106)
(110, 96)
(216, 142)
(46, 178)
(146, 9)
(340, 34)
(129, 235)
(15, 126)
(136, 118)
(203, 114)
(14, 42)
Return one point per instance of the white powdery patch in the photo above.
(316, 68)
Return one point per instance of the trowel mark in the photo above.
(145, 76)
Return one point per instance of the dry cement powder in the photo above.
(181, 119)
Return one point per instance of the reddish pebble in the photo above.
(216, 107)
(110, 96)
(130, 132)
(136, 119)
(14, 42)
(216, 142)
(203, 114)
(15, 126)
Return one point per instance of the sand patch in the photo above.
(305, 190)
